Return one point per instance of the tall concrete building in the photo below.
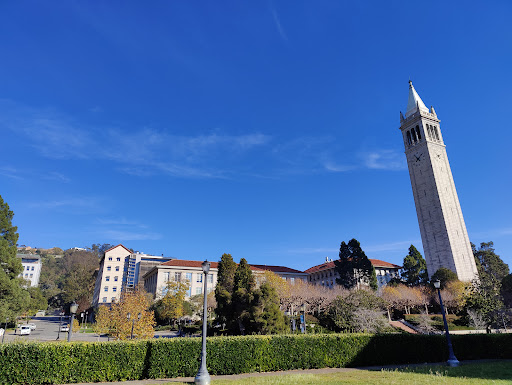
(443, 231)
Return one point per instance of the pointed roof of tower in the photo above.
(414, 102)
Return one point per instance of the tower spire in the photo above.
(414, 103)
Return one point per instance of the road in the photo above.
(47, 329)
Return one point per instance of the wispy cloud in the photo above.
(393, 246)
(10, 172)
(66, 203)
(147, 151)
(384, 160)
(277, 23)
(312, 250)
(56, 176)
(130, 236)
(491, 234)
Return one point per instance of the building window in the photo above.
(189, 292)
(177, 276)
(199, 290)
(104, 299)
(31, 275)
(107, 278)
(292, 280)
(167, 276)
(210, 278)
(114, 289)
(418, 132)
(26, 275)
(28, 267)
(188, 277)
(118, 259)
(109, 268)
(209, 290)
(199, 278)
(109, 258)
(105, 288)
(409, 141)
(113, 299)
(117, 268)
(115, 278)
(32, 268)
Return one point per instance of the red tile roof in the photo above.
(330, 265)
(276, 269)
(185, 263)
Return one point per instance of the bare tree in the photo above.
(476, 319)
(369, 320)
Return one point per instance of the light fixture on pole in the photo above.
(452, 360)
(72, 309)
(202, 377)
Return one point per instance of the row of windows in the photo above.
(188, 277)
(31, 275)
(104, 299)
(107, 278)
(118, 259)
(30, 268)
(114, 289)
(109, 268)
(432, 132)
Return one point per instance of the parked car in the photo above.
(24, 330)
(32, 325)
(2, 332)
(64, 328)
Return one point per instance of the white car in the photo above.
(2, 331)
(24, 330)
(32, 325)
(64, 328)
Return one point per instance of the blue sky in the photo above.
(266, 129)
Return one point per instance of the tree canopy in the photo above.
(444, 275)
(354, 267)
(414, 272)
(14, 298)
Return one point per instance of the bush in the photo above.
(50, 363)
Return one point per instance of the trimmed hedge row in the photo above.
(58, 363)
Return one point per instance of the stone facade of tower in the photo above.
(443, 231)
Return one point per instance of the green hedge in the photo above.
(58, 363)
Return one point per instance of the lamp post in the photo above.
(202, 377)
(60, 324)
(452, 360)
(133, 322)
(72, 309)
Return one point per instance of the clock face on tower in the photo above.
(417, 158)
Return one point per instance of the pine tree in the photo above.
(353, 266)
(14, 299)
(268, 317)
(243, 297)
(414, 271)
(224, 289)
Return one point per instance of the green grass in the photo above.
(497, 373)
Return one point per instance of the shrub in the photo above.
(50, 363)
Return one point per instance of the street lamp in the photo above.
(202, 377)
(452, 360)
(133, 322)
(72, 309)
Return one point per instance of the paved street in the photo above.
(47, 330)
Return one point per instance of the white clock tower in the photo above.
(443, 231)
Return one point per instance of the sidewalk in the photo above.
(281, 373)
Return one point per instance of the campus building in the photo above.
(325, 274)
(121, 270)
(31, 268)
(156, 279)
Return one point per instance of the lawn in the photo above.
(470, 374)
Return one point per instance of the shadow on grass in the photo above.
(488, 370)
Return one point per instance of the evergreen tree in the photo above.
(414, 271)
(353, 266)
(268, 317)
(490, 265)
(14, 299)
(224, 289)
(444, 275)
(243, 297)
